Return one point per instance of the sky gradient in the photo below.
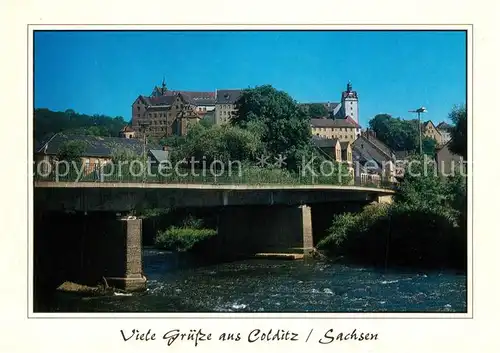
(98, 72)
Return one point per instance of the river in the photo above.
(278, 286)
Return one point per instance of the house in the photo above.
(328, 146)
(127, 132)
(429, 130)
(445, 131)
(225, 104)
(376, 157)
(157, 156)
(346, 152)
(447, 161)
(343, 129)
(97, 151)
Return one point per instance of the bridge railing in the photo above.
(250, 176)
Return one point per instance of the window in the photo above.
(138, 109)
(150, 115)
(154, 115)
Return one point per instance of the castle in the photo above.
(168, 112)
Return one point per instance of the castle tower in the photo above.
(160, 91)
(163, 86)
(349, 103)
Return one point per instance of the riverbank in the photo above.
(403, 234)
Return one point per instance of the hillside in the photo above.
(47, 122)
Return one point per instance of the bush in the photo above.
(182, 239)
(398, 235)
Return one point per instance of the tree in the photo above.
(317, 110)
(47, 122)
(224, 143)
(429, 145)
(71, 151)
(396, 133)
(458, 143)
(284, 126)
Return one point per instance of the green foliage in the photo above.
(396, 133)
(182, 239)
(425, 226)
(398, 235)
(429, 146)
(206, 123)
(284, 127)
(316, 110)
(48, 122)
(71, 151)
(458, 143)
(120, 154)
(422, 186)
(185, 237)
(172, 141)
(344, 225)
(219, 142)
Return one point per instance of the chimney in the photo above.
(165, 148)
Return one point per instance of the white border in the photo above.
(352, 27)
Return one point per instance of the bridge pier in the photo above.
(249, 230)
(124, 269)
(87, 248)
(307, 230)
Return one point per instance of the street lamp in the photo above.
(419, 111)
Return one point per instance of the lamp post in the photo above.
(144, 125)
(419, 111)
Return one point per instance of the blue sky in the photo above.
(393, 72)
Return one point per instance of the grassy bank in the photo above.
(426, 226)
(399, 235)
